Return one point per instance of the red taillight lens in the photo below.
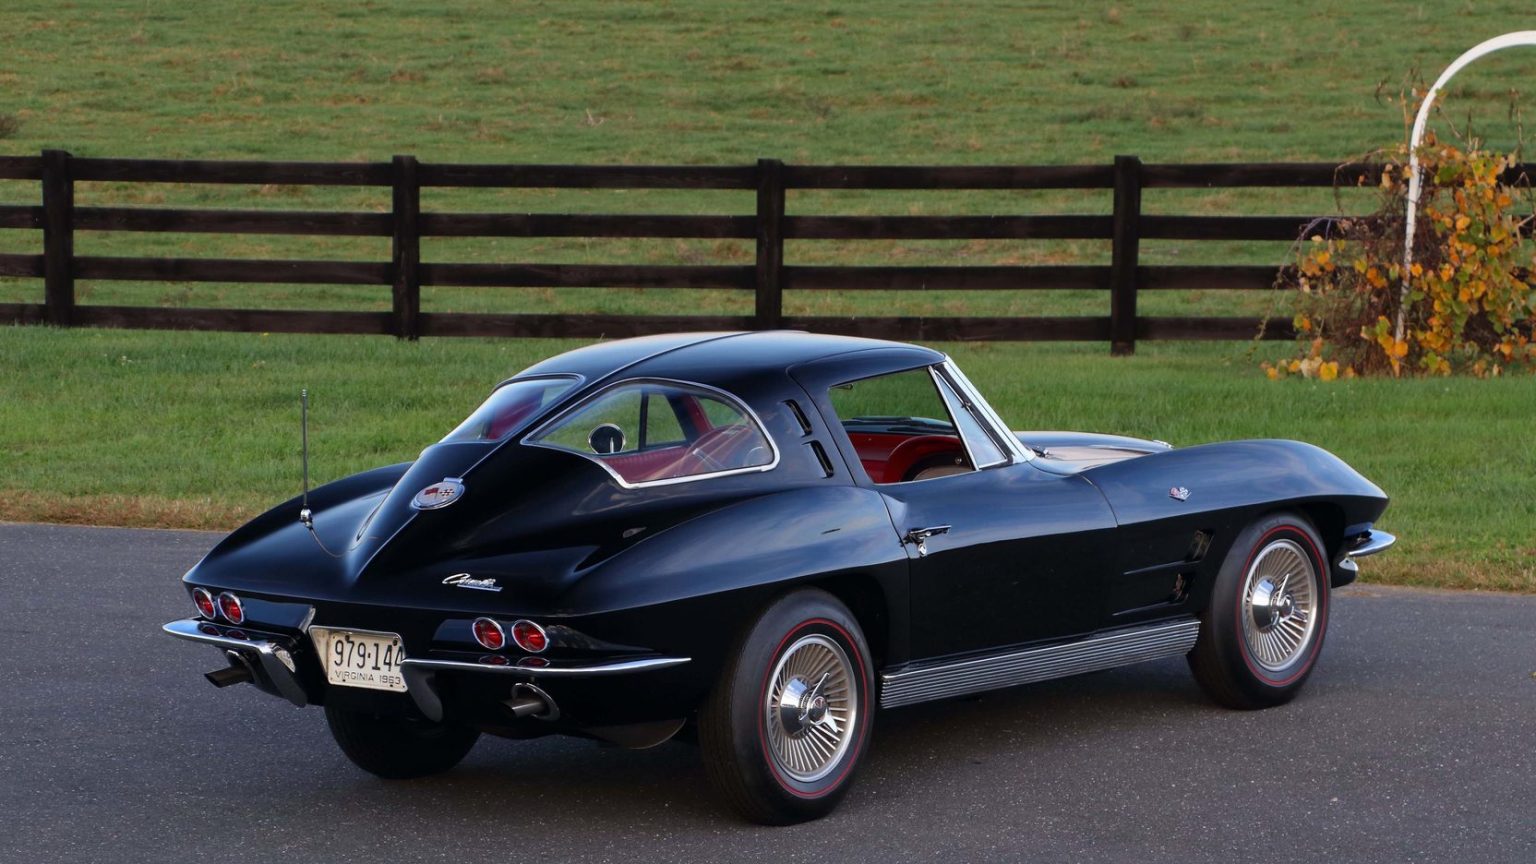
(205, 605)
(230, 608)
(489, 634)
(529, 636)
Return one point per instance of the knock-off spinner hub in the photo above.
(817, 709)
(1270, 606)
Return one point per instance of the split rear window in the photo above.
(509, 408)
(653, 431)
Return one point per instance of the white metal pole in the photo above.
(1415, 182)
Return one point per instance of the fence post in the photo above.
(1126, 256)
(58, 239)
(406, 248)
(770, 244)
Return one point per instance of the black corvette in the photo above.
(759, 539)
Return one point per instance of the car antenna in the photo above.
(305, 515)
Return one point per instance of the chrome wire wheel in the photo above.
(812, 708)
(1280, 598)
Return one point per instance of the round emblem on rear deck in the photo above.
(439, 495)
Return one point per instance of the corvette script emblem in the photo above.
(464, 580)
(439, 495)
(1178, 493)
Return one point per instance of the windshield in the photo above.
(510, 408)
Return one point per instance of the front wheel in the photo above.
(790, 716)
(1263, 630)
(398, 747)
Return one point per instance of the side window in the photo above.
(653, 431)
(900, 427)
(660, 422)
(606, 425)
(902, 396)
(984, 450)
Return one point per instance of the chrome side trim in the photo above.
(616, 667)
(1371, 543)
(1121, 648)
(275, 660)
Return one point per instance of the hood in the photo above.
(1079, 451)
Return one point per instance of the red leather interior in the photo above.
(888, 456)
(648, 464)
(508, 418)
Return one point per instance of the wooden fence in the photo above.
(770, 226)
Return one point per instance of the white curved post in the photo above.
(1415, 182)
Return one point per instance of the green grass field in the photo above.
(199, 429)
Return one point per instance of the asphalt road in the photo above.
(1414, 741)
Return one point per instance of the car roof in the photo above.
(708, 357)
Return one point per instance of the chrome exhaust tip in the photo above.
(238, 672)
(531, 701)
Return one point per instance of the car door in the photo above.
(1000, 552)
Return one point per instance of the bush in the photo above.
(1471, 301)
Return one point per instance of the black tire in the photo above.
(736, 728)
(398, 747)
(1267, 664)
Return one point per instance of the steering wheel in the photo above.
(717, 448)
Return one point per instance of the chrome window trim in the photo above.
(988, 415)
(946, 391)
(728, 398)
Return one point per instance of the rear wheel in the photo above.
(1263, 630)
(790, 716)
(398, 747)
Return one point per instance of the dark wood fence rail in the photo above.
(769, 227)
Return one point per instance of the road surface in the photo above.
(1415, 740)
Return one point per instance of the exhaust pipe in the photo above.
(530, 701)
(237, 673)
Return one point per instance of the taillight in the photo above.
(489, 634)
(230, 608)
(529, 636)
(204, 602)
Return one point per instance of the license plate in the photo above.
(360, 658)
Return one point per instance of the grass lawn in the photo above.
(701, 81)
(199, 429)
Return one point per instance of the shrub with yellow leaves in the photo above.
(1471, 303)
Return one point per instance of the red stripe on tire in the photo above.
(858, 743)
(1242, 641)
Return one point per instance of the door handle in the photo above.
(919, 536)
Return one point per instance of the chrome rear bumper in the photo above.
(272, 655)
(419, 674)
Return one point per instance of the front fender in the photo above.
(1235, 475)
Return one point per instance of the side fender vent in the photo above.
(821, 458)
(804, 421)
(1198, 546)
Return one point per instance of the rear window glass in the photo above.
(510, 408)
(655, 431)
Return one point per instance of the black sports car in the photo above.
(759, 539)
